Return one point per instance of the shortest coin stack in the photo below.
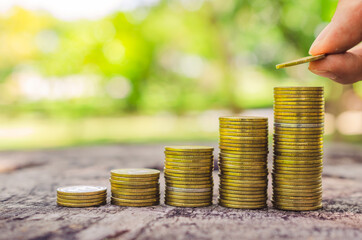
(135, 187)
(81, 196)
(188, 176)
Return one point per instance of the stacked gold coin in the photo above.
(81, 196)
(243, 162)
(135, 187)
(188, 175)
(298, 148)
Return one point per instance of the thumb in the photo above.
(343, 32)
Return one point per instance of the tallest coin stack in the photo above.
(298, 148)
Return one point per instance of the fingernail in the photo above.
(326, 74)
(319, 39)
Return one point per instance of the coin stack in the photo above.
(243, 162)
(135, 187)
(298, 148)
(81, 196)
(188, 176)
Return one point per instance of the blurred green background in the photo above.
(90, 72)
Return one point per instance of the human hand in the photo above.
(341, 39)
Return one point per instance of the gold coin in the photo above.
(141, 179)
(81, 201)
(137, 197)
(177, 204)
(239, 187)
(208, 167)
(94, 204)
(299, 89)
(247, 197)
(241, 152)
(189, 157)
(298, 92)
(243, 149)
(188, 190)
(253, 178)
(246, 131)
(299, 95)
(241, 205)
(131, 204)
(135, 172)
(190, 153)
(298, 115)
(243, 119)
(189, 149)
(240, 134)
(192, 199)
(226, 125)
(297, 208)
(295, 176)
(190, 161)
(288, 125)
(206, 182)
(278, 146)
(260, 146)
(244, 200)
(297, 167)
(81, 190)
(188, 175)
(134, 190)
(300, 107)
(250, 143)
(281, 190)
(298, 202)
(307, 164)
(244, 183)
(189, 186)
(244, 163)
(307, 158)
(298, 197)
(278, 117)
(190, 172)
(171, 165)
(312, 141)
(296, 131)
(247, 143)
(197, 179)
(85, 197)
(127, 185)
(247, 168)
(133, 183)
(309, 121)
(189, 194)
(296, 171)
(296, 185)
(140, 201)
(245, 160)
(300, 130)
(294, 140)
(285, 183)
(240, 173)
(244, 139)
(299, 154)
(297, 194)
(298, 100)
(245, 191)
(243, 179)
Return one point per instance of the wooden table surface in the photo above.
(28, 210)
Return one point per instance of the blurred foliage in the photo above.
(177, 56)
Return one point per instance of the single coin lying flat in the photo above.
(301, 61)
